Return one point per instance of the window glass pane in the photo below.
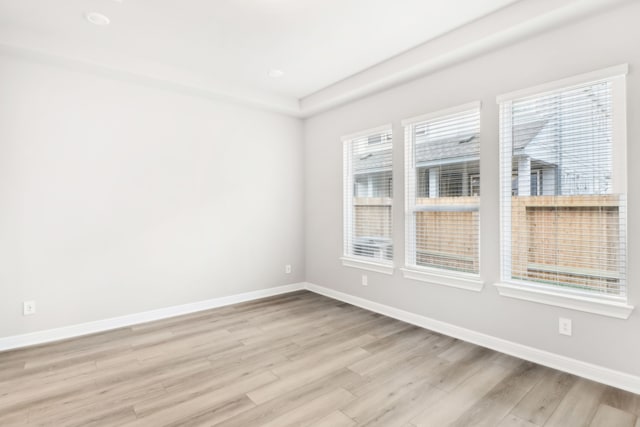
(566, 135)
(368, 204)
(443, 196)
(566, 223)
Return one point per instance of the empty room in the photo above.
(330, 213)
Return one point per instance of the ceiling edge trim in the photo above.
(324, 100)
(290, 107)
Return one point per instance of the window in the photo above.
(368, 192)
(442, 167)
(563, 200)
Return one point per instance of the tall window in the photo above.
(442, 167)
(368, 195)
(563, 199)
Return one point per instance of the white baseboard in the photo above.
(573, 366)
(49, 335)
(597, 373)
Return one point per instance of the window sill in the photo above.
(470, 282)
(544, 295)
(368, 265)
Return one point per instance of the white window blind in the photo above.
(368, 192)
(442, 166)
(563, 197)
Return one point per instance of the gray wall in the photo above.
(597, 42)
(117, 197)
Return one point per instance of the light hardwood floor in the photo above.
(294, 360)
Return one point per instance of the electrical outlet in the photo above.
(28, 308)
(365, 280)
(564, 326)
(287, 269)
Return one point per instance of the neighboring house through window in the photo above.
(563, 168)
(368, 192)
(442, 167)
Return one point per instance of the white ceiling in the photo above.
(331, 51)
(230, 45)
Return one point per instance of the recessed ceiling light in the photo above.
(276, 74)
(97, 18)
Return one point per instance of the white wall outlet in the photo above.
(28, 308)
(564, 326)
(365, 280)
(287, 269)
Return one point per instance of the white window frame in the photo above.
(348, 259)
(431, 275)
(606, 305)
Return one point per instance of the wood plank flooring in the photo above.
(298, 359)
